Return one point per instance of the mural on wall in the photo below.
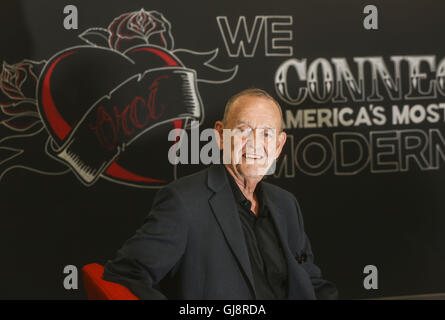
(88, 106)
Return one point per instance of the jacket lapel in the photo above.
(226, 213)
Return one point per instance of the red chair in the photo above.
(100, 289)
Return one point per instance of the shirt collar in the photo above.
(241, 198)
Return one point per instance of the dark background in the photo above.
(393, 221)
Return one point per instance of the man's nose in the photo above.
(254, 138)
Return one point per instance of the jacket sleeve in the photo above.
(324, 290)
(154, 250)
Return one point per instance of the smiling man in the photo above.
(223, 233)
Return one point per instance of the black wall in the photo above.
(393, 220)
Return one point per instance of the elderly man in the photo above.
(223, 233)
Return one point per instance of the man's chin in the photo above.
(253, 171)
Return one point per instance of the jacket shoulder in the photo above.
(190, 184)
(277, 192)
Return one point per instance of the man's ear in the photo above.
(219, 127)
(280, 143)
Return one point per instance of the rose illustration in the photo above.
(18, 110)
(17, 82)
(141, 27)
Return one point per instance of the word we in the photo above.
(242, 40)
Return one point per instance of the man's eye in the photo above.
(244, 130)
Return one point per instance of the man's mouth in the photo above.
(252, 156)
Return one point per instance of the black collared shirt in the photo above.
(269, 267)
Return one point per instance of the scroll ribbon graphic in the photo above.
(123, 116)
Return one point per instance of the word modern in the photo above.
(348, 153)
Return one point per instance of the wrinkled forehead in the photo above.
(239, 123)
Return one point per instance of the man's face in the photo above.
(253, 140)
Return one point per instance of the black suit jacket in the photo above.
(191, 245)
